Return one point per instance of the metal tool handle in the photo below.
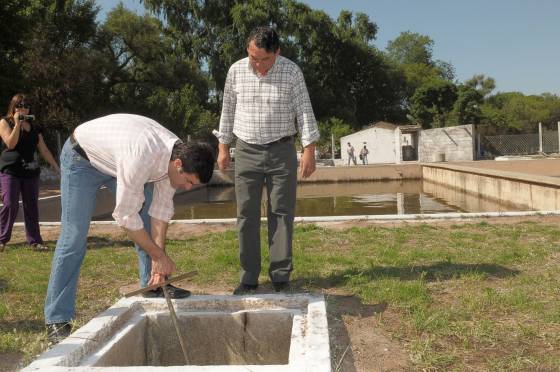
(175, 323)
(156, 286)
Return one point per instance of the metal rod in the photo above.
(168, 281)
(175, 323)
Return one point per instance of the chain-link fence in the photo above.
(490, 146)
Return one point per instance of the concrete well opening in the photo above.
(261, 333)
(247, 337)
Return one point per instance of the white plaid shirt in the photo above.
(135, 150)
(263, 109)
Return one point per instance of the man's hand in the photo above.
(223, 156)
(161, 268)
(307, 162)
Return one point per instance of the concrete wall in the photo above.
(453, 143)
(511, 188)
(379, 141)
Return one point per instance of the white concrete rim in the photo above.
(370, 217)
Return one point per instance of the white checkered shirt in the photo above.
(262, 109)
(135, 150)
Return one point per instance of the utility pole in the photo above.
(558, 152)
(332, 143)
(540, 138)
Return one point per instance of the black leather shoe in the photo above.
(57, 332)
(281, 286)
(243, 289)
(174, 292)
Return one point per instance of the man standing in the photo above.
(363, 155)
(351, 154)
(264, 95)
(143, 164)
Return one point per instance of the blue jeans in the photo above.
(79, 184)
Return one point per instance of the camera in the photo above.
(27, 117)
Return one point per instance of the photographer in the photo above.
(19, 171)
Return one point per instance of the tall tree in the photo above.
(16, 23)
(432, 102)
(483, 84)
(411, 48)
(467, 107)
(58, 66)
(144, 73)
(346, 76)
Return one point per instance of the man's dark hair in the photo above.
(197, 158)
(265, 38)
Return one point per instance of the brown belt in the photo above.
(76, 147)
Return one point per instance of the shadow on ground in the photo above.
(99, 242)
(435, 272)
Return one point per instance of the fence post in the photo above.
(558, 137)
(478, 152)
(540, 137)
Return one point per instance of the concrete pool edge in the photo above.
(382, 217)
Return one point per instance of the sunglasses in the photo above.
(23, 106)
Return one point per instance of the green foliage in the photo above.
(484, 85)
(171, 65)
(335, 127)
(516, 112)
(411, 48)
(59, 66)
(432, 103)
(346, 76)
(466, 109)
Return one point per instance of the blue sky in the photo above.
(514, 41)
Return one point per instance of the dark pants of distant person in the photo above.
(274, 166)
(12, 188)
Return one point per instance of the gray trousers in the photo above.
(274, 166)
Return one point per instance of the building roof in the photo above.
(384, 125)
(410, 128)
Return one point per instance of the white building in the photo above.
(387, 143)
(393, 144)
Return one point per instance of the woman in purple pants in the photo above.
(19, 171)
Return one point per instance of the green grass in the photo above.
(461, 297)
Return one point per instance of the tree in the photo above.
(335, 127)
(411, 48)
(16, 22)
(58, 65)
(484, 85)
(412, 54)
(517, 113)
(144, 73)
(346, 76)
(467, 107)
(432, 102)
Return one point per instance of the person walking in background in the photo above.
(351, 154)
(363, 155)
(19, 171)
(264, 95)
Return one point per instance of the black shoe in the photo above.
(57, 332)
(39, 247)
(174, 292)
(243, 289)
(281, 286)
